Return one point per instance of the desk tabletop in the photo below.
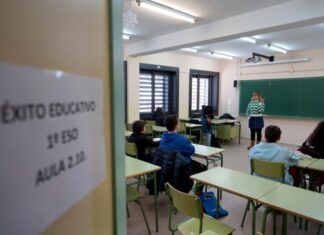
(206, 151)
(128, 133)
(297, 201)
(235, 182)
(156, 139)
(159, 128)
(135, 167)
(222, 121)
(193, 125)
(317, 165)
(304, 163)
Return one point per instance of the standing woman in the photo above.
(254, 111)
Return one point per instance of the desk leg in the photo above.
(319, 229)
(207, 163)
(253, 216)
(284, 224)
(221, 155)
(218, 203)
(239, 132)
(155, 203)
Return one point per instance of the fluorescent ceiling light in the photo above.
(126, 36)
(222, 56)
(190, 49)
(166, 10)
(249, 39)
(277, 48)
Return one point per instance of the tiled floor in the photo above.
(235, 157)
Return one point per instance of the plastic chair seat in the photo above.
(191, 226)
(130, 149)
(190, 137)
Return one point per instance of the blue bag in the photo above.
(209, 203)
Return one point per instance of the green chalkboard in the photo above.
(290, 97)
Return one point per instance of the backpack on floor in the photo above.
(209, 203)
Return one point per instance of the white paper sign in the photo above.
(51, 145)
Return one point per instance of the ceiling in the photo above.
(153, 25)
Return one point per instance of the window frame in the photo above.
(213, 90)
(125, 90)
(173, 94)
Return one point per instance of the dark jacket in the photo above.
(206, 127)
(159, 118)
(312, 150)
(142, 143)
(175, 169)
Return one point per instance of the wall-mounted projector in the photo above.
(256, 58)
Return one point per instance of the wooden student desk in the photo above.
(296, 201)
(304, 163)
(317, 165)
(226, 131)
(156, 139)
(158, 129)
(243, 185)
(134, 168)
(210, 154)
(194, 126)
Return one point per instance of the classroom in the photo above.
(77, 76)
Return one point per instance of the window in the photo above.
(157, 88)
(203, 91)
(199, 92)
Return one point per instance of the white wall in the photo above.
(294, 131)
(183, 62)
(228, 93)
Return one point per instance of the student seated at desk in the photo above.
(272, 151)
(314, 147)
(158, 116)
(142, 141)
(174, 158)
(171, 140)
(314, 144)
(208, 129)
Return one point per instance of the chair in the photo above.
(134, 196)
(183, 131)
(130, 149)
(129, 127)
(158, 130)
(150, 122)
(148, 129)
(190, 205)
(275, 171)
